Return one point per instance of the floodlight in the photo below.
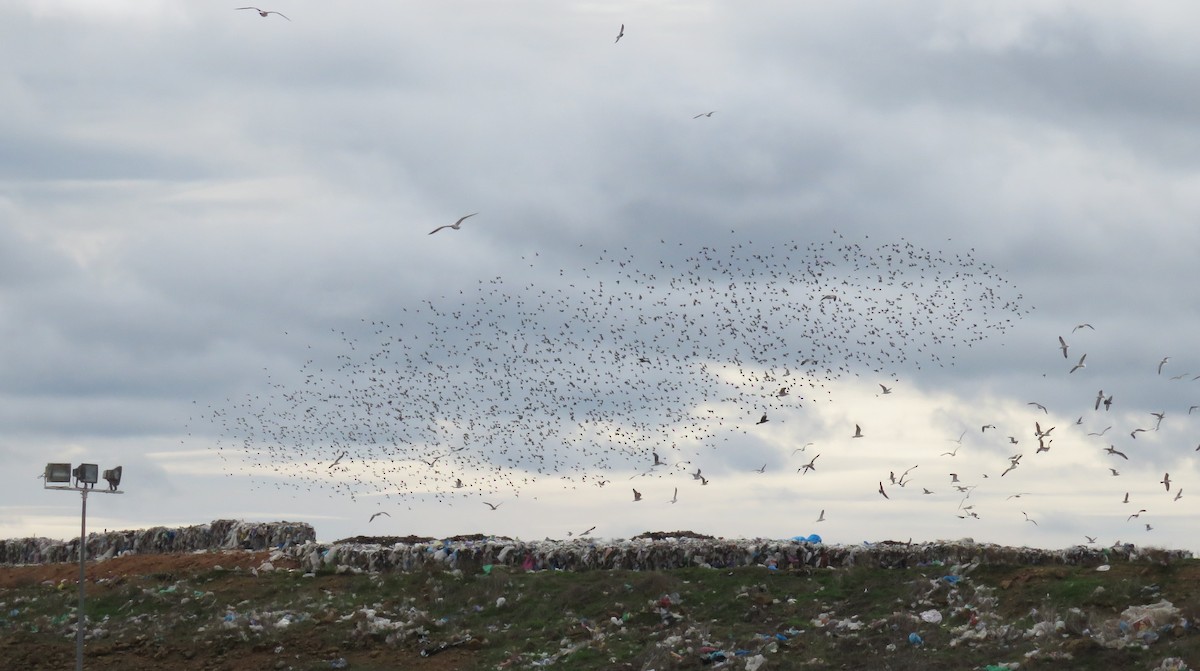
(113, 475)
(58, 472)
(87, 473)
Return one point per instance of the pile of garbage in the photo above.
(652, 553)
(218, 535)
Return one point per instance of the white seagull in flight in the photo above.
(262, 12)
(456, 225)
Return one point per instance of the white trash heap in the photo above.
(652, 551)
(675, 552)
(218, 535)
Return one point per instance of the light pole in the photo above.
(85, 479)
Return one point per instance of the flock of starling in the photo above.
(632, 363)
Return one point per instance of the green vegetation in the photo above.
(1059, 617)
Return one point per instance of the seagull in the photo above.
(1114, 472)
(1133, 434)
(493, 506)
(1083, 326)
(1126, 498)
(857, 432)
(657, 461)
(620, 34)
(1138, 513)
(800, 449)
(458, 483)
(1062, 344)
(810, 466)
(675, 496)
(1148, 527)
(1178, 494)
(1039, 406)
(381, 512)
(1029, 519)
(883, 492)
(985, 427)
(1093, 433)
(1166, 481)
(1159, 416)
(1079, 365)
(763, 419)
(1162, 363)
(705, 114)
(761, 470)
(821, 518)
(335, 461)
(1111, 449)
(953, 453)
(886, 390)
(1099, 399)
(1091, 539)
(262, 12)
(960, 437)
(456, 225)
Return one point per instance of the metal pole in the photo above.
(80, 618)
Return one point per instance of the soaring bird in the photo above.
(705, 114)
(821, 518)
(1162, 363)
(456, 225)
(381, 512)
(620, 34)
(262, 12)
(810, 466)
(493, 506)
(1062, 344)
(1079, 365)
(1111, 449)
(335, 461)
(883, 492)
(1029, 519)
(886, 390)
(637, 496)
(1039, 406)
(1166, 481)
(1083, 326)
(857, 432)
(763, 419)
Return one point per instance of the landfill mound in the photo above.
(217, 535)
(657, 551)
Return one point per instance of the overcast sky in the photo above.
(216, 266)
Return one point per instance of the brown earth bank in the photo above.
(235, 611)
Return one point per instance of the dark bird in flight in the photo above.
(705, 114)
(763, 419)
(883, 492)
(262, 12)
(381, 512)
(620, 34)
(493, 506)
(456, 225)
(857, 432)
(637, 496)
